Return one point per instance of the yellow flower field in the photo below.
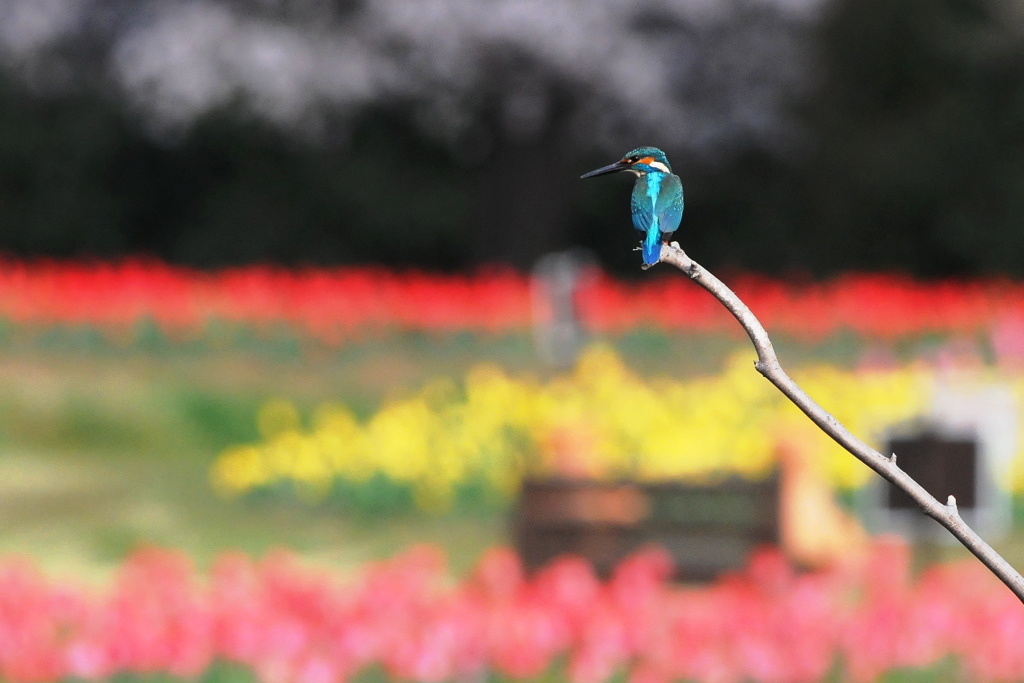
(599, 421)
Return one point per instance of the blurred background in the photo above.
(320, 275)
(812, 136)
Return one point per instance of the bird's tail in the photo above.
(651, 247)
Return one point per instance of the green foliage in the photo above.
(227, 672)
(79, 177)
(217, 418)
(917, 127)
(218, 672)
(381, 497)
(909, 154)
(945, 671)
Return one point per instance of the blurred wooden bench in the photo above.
(706, 529)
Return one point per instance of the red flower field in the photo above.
(334, 304)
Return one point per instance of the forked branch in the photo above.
(768, 365)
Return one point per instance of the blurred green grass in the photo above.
(105, 446)
(945, 671)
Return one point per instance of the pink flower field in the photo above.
(408, 618)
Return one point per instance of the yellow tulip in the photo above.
(601, 420)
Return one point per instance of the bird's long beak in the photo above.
(611, 168)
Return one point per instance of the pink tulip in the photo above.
(293, 624)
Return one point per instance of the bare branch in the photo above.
(768, 365)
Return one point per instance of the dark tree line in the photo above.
(909, 154)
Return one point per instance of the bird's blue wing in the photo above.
(642, 205)
(669, 205)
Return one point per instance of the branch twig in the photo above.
(768, 365)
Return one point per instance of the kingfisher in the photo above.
(657, 204)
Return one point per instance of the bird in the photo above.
(657, 204)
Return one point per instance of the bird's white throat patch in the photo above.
(660, 166)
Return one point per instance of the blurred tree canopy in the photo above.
(871, 134)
